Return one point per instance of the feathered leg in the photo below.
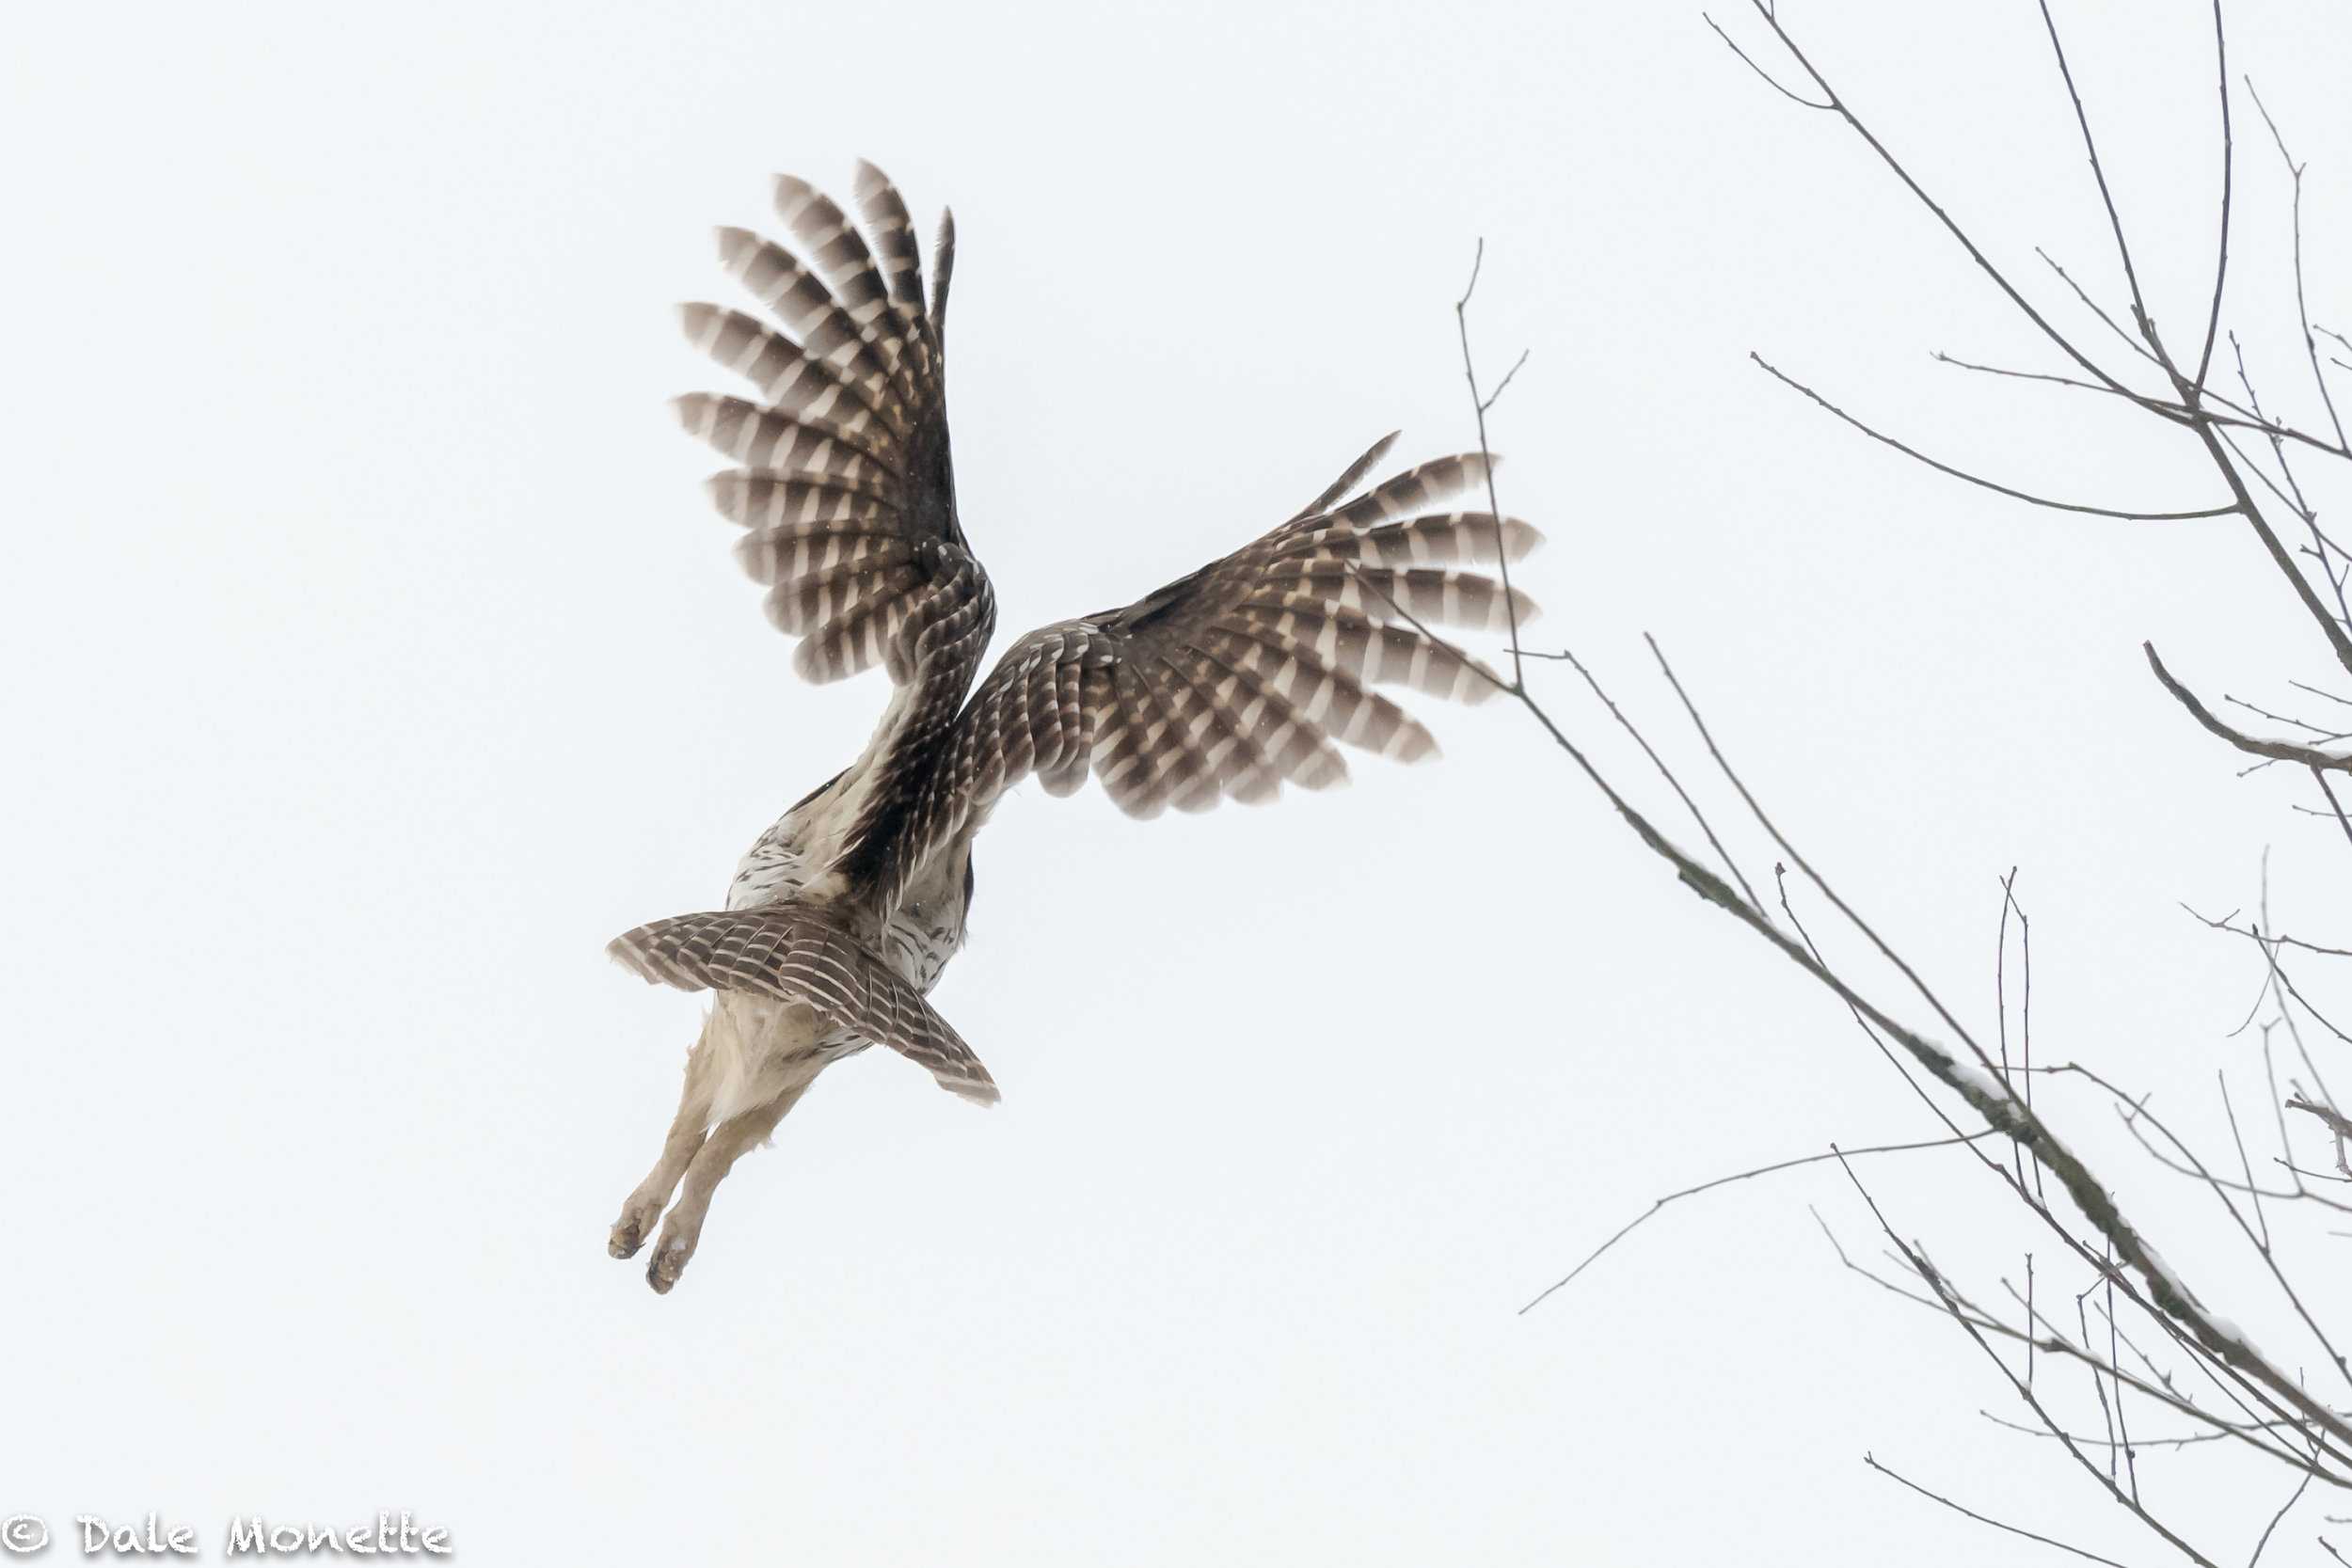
(686, 1136)
(727, 1143)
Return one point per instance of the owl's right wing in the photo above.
(1234, 679)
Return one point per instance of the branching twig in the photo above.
(1636, 1223)
(2203, 1369)
(2329, 1117)
(1982, 1519)
(1916, 455)
(2280, 751)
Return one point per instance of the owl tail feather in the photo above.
(797, 953)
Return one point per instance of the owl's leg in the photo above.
(729, 1141)
(685, 1138)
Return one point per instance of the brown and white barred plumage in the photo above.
(1228, 682)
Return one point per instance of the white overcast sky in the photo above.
(374, 658)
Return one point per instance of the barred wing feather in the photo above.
(1243, 675)
(845, 472)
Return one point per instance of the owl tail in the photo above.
(796, 954)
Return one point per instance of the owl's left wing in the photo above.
(1234, 679)
(846, 488)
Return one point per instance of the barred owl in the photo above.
(1230, 682)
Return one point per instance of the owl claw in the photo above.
(630, 1230)
(668, 1261)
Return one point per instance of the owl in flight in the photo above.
(1226, 682)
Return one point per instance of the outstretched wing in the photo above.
(1239, 677)
(795, 954)
(846, 488)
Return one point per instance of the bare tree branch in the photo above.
(2329, 1117)
(2229, 169)
(1984, 1519)
(2302, 310)
(2143, 1339)
(1918, 456)
(1796, 98)
(1984, 263)
(1636, 1223)
(2280, 751)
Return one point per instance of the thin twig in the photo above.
(2238, 416)
(2284, 1508)
(2093, 306)
(1642, 740)
(1918, 456)
(1640, 1219)
(2229, 167)
(1503, 546)
(2333, 804)
(2302, 311)
(1984, 263)
(1983, 1519)
(1769, 80)
(1933, 1278)
(2098, 172)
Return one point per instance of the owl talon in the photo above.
(630, 1230)
(667, 1262)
